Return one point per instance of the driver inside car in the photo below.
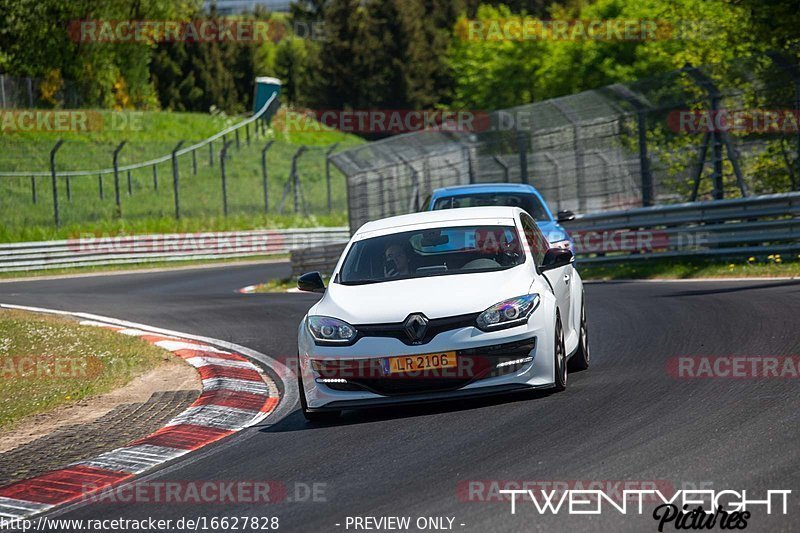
(396, 261)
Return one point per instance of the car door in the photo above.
(559, 278)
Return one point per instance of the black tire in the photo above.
(314, 416)
(560, 354)
(580, 359)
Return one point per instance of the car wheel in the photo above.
(580, 360)
(560, 358)
(314, 416)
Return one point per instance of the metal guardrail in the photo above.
(322, 258)
(89, 250)
(721, 228)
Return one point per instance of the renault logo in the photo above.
(416, 325)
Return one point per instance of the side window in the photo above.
(536, 241)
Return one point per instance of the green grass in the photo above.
(150, 211)
(772, 266)
(282, 285)
(46, 362)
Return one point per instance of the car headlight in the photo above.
(508, 313)
(328, 330)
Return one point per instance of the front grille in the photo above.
(396, 330)
(473, 364)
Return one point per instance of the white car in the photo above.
(441, 304)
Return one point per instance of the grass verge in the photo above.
(48, 361)
(772, 267)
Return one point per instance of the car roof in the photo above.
(482, 215)
(457, 190)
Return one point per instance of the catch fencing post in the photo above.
(33, 188)
(100, 186)
(211, 153)
(222, 155)
(238, 146)
(116, 175)
(155, 177)
(176, 179)
(55, 182)
(642, 107)
(264, 174)
(328, 173)
(522, 146)
(295, 179)
(247, 133)
(502, 164)
(130, 184)
(194, 162)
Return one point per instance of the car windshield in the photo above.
(432, 252)
(528, 202)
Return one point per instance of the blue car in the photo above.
(506, 194)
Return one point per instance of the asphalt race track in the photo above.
(626, 418)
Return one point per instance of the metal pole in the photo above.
(328, 174)
(33, 188)
(155, 177)
(644, 161)
(30, 92)
(294, 178)
(264, 174)
(55, 182)
(100, 186)
(2, 91)
(247, 133)
(502, 164)
(69, 189)
(238, 146)
(719, 188)
(194, 162)
(211, 153)
(116, 175)
(222, 156)
(176, 180)
(130, 184)
(522, 146)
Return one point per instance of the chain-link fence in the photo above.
(241, 170)
(700, 132)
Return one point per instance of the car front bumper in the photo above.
(341, 377)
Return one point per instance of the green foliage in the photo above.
(490, 74)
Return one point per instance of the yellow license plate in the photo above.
(416, 363)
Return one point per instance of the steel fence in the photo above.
(735, 228)
(649, 142)
(241, 170)
(89, 250)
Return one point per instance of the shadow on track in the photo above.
(725, 290)
(296, 422)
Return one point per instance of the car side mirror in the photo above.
(311, 282)
(556, 258)
(566, 216)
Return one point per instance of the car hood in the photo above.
(552, 231)
(435, 296)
